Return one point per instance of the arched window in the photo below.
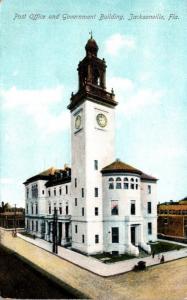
(126, 183)
(132, 179)
(118, 183)
(136, 179)
(111, 183)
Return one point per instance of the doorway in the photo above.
(59, 232)
(133, 235)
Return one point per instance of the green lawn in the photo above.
(164, 247)
(28, 235)
(109, 258)
(157, 247)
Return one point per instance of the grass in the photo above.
(112, 258)
(164, 247)
(157, 247)
(28, 235)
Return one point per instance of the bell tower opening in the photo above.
(92, 78)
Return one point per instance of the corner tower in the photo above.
(92, 141)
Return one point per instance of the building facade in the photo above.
(12, 217)
(103, 204)
(172, 220)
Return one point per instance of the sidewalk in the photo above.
(95, 266)
(157, 283)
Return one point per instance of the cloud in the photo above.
(171, 151)
(30, 98)
(120, 84)
(8, 181)
(133, 97)
(141, 99)
(118, 42)
(40, 105)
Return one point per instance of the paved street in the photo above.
(162, 282)
(99, 268)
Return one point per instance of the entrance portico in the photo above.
(63, 232)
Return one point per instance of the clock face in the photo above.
(101, 120)
(78, 122)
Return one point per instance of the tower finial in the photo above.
(91, 36)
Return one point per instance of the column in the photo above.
(63, 234)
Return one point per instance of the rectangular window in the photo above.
(76, 229)
(75, 182)
(132, 186)
(114, 207)
(60, 210)
(66, 189)
(136, 186)
(96, 239)
(32, 225)
(82, 191)
(149, 208)
(54, 192)
(133, 207)
(27, 209)
(36, 225)
(34, 191)
(36, 209)
(66, 210)
(60, 191)
(96, 211)
(49, 209)
(96, 164)
(96, 192)
(27, 193)
(82, 211)
(165, 220)
(115, 234)
(83, 238)
(43, 192)
(149, 228)
(32, 209)
(49, 193)
(75, 201)
(149, 189)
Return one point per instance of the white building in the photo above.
(103, 204)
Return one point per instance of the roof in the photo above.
(45, 175)
(147, 177)
(50, 171)
(91, 47)
(120, 167)
(172, 207)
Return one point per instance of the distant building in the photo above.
(11, 217)
(172, 219)
(104, 205)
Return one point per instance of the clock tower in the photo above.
(92, 142)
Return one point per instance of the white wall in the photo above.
(89, 144)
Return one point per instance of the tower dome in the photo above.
(91, 47)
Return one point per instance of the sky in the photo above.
(42, 44)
